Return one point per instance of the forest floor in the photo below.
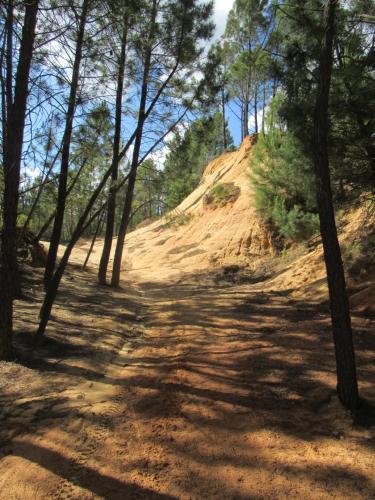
(202, 387)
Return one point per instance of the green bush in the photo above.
(221, 194)
(283, 182)
(294, 224)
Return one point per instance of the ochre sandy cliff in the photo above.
(196, 235)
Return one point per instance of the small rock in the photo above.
(338, 435)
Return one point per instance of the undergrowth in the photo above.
(222, 194)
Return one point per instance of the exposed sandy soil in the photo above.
(219, 391)
(205, 236)
(192, 381)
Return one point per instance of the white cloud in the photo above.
(221, 10)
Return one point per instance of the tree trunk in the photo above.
(340, 314)
(98, 227)
(9, 57)
(115, 281)
(48, 222)
(53, 285)
(12, 163)
(225, 140)
(256, 109)
(242, 121)
(111, 210)
(65, 154)
(42, 185)
(264, 106)
(246, 118)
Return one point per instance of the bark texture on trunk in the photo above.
(14, 130)
(65, 153)
(111, 208)
(340, 314)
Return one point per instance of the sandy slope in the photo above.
(211, 237)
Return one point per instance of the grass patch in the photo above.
(222, 194)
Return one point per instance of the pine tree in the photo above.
(246, 36)
(189, 154)
(66, 142)
(341, 325)
(111, 209)
(176, 30)
(13, 130)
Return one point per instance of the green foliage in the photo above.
(222, 194)
(246, 35)
(352, 97)
(148, 203)
(91, 150)
(283, 182)
(189, 154)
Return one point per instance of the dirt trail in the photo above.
(211, 390)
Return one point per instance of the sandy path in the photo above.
(220, 392)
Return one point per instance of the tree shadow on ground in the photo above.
(84, 476)
(227, 360)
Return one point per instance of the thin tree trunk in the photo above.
(65, 154)
(225, 140)
(115, 281)
(9, 57)
(53, 285)
(242, 121)
(41, 186)
(246, 118)
(48, 222)
(12, 164)
(264, 106)
(51, 293)
(340, 314)
(256, 109)
(98, 227)
(111, 210)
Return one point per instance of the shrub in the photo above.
(222, 194)
(284, 184)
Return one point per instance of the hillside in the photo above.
(197, 236)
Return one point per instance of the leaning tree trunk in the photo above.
(53, 285)
(14, 129)
(111, 209)
(65, 153)
(340, 314)
(51, 217)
